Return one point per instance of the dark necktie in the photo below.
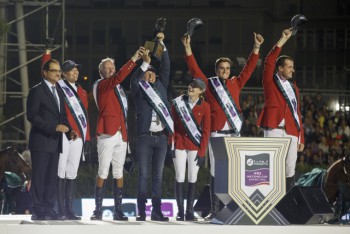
(53, 88)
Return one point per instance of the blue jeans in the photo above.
(151, 152)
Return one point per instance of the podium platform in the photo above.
(22, 224)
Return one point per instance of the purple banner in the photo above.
(167, 209)
(257, 177)
(257, 170)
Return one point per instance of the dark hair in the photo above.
(280, 61)
(46, 65)
(222, 59)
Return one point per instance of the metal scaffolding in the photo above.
(22, 11)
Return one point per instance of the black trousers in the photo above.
(44, 181)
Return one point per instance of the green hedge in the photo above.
(87, 174)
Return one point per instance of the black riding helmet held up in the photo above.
(192, 25)
(296, 22)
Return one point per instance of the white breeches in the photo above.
(181, 157)
(111, 149)
(68, 163)
(291, 159)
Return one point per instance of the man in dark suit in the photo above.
(154, 123)
(46, 113)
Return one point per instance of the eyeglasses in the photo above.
(55, 71)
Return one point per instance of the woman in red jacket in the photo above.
(192, 128)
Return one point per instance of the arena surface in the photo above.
(22, 224)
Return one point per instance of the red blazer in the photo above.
(201, 113)
(276, 108)
(110, 117)
(83, 97)
(45, 58)
(234, 86)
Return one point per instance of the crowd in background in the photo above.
(327, 132)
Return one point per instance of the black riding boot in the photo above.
(60, 198)
(179, 200)
(214, 201)
(70, 189)
(97, 215)
(157, 214)
(118, 196)
(190, 199)
(290, 182)
(141, 206)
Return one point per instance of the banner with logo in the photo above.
(251, 171)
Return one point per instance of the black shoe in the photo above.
(158, 216)
(190, 217)
(118, 215)
(97, 215)
(39, 217)
(141, 218)
(54, 215)
(72, 216)
(180, 217)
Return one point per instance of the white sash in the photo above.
(290, 97)
(186, 116)
(121, 95)
(154, 99)
(123, 100)
(227, 103)
(75, 106)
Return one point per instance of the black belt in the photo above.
(227, 131)
(278, 127)
(157, 133)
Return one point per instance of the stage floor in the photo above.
(22, 224)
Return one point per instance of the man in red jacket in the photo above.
(112, 130)
(280, 116)
(222, 95)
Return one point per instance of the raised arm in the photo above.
(120, 76)
(270, 60)
(193, 67)
(286, 34)
(164, 69)
(48, 47)
(186, 41)
(248, 69)
(139, 73)
(258, 40)
(46, 57)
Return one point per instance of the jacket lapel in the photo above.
(50, 95)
